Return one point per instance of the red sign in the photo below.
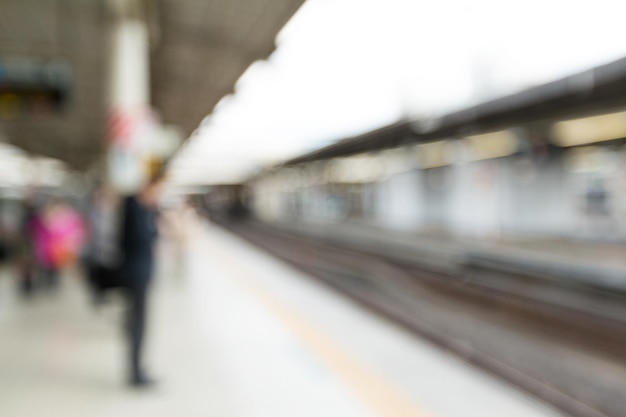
(121, 127)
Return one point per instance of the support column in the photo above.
(132, 126)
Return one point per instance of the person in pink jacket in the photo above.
(59, 233)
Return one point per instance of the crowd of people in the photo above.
(52, 237)
(111, 239)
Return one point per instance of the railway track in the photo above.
(560, 344)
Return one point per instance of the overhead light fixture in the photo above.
(356, 169)
(433, 155)
(471, 148)
(491, 145)
(588, 130)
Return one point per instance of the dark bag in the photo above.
(105, 278)
(4, 251)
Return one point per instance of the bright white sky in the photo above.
(344, 67)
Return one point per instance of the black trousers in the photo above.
(50, 275)
(136, 324)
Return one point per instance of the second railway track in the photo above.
(557, 343)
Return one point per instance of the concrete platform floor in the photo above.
(237, 334)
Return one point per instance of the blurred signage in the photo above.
(121, 127)
(133, 134)
(33, 86)
(132, 127)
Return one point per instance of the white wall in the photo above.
(399, 202)
(269, 200)
(542, 203)
(473, 207)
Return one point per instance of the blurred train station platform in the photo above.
(238, 333)
(329, 208)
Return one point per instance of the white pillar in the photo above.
(131, 125)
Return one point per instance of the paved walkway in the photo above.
(240, 334)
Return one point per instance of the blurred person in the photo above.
(238, 210)
(598, 208)
(58, 237)
(5, 234)
(102, 251)
(138, 237)
(4, 245)
(26, 257)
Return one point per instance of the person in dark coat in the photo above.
(27, 247)
(138, 237)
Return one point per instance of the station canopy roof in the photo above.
(199, 50)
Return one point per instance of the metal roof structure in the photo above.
(204, 46)
(73, 32)
(600, 89)
(199, 48)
